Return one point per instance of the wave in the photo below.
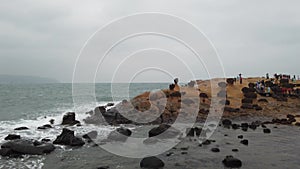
(7, 127)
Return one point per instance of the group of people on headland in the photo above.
(286, 83)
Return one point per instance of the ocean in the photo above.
(33, 105)
(30, 101)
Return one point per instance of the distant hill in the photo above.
(19, 79)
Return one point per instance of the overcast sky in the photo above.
(43, 38)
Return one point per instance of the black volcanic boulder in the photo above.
(245, 142)
(258, 108)
(99, 110)
(110, 104)
(21, 128)
(166, 130)
(215, 150)
(190, 132)
(235, 126)
(175, 94)
(69, 119)
(263, 100)
(46, 126)
(248, 90)
(247, 106)
(232, 162)
(230, 109)
(67, 137)
(90, 135)
(247, 100)
(120, 134)
(251, 85)
(289, 116)
(251, 95)
(203, 95)
(152, 163)
(230, 81)
(12, 137)
(22, 147)
(226, 122)
(267, 131)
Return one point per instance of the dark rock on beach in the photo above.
(152, 163)
(46, 126)
(226, 122)
(230, 109)
(90, 135)
(67, 137)
(120, 134)
(247, 106)
(69, 119)
(21, 128)
(203, 95)
(22, 147)
(267, 131)
(12, 137)
(110, 104)
(263, 100)
(215, 150)
(245, 142)
(251, 95)
(232, 162)
(230, 81)
(247, 100)
(166, 130)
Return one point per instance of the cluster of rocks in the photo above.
(289, 120)
(249, 97)
(19, 147)
(102, 116)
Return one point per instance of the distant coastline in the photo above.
(21, 79)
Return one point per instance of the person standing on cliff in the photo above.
(241, 79)
(176, 88)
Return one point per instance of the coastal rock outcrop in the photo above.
(69, 119)
(232, 162)
(166, 130)
(21, 128)
(120, 134)
(67, 137)
(19, 147)
(152, 163)
(12, 137)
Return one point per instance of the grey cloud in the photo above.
(43, 38)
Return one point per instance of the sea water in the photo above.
(33, 105)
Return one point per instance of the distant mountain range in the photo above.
(19, 79)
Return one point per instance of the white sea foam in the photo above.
(7, 127)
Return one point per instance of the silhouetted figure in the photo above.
(171, 86)
(267, 76)
(176, 81)
(241, 79)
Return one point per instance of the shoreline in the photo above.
(268, 113)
